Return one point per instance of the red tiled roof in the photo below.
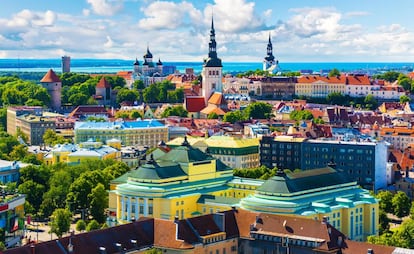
(50, 77)
(194, 104)
(103, 83)
(88, 109)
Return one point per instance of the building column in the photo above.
(122, 207)
(129, 209)
(145, 206)
(136, 207)
(118, 211)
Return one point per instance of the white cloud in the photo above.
(234, 16)
(109, 43)
(86, 12)
(168, 15)
(104, 7)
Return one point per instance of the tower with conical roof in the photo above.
(53, 85)
(212, 68)
(269, 62)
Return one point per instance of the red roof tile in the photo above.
(103, 83)
(194, 104)
(50, 77)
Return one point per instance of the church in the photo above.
(148, 71)
(269, 63)
(211, 99)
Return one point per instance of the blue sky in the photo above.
(301, 31)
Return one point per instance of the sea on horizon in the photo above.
(115, 65)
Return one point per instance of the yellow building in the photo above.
(74, 154)
(319, 86)
(235, 152)
(186, 182)
(140, 132)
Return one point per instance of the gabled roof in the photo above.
(213, 109)
(50, 77)
(103, 83)
(216, 99)
(194, 103)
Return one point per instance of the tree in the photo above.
(370, 102)
(405, 82)
(404, 235)
(99, 201)
(80, 225)
(51, 138)
(300, 115)
(258, 110)
(138, 85)
(135, 114)
(404, 99)
(34, 192)
(92, 225)
(126, 94)
(336, 98)
(384, 222)
(175, 111)
(78, 99)
(60, 222)
(385, 201)
(401, 204)
(19, 152)
(334, 73)
(150, 93)
(233, 116)
(213, 116)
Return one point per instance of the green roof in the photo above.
(185, 154)
(156, 171)
(303, 181)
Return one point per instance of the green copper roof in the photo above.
(185, 154)
(304, 180)
(156, 171)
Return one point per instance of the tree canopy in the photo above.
(60, 222)
(258, 110)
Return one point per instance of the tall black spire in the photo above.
(213, 60)
(269, 56)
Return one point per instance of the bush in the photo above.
(80, 225)
(92, 225)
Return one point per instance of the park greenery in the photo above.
(399, 205)
(255, 110)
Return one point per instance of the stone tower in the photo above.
(53, 86)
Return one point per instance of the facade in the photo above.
(365, 162)
(17, 111)
(53, 86)
(9, 171)
(269, 63)
(340, 201)
(34, 127)
(235, 152)
(185, 182)
(12, 218)
(275, 87)
(75, 154)
(399, 137)
(319, 86)
(140, 132)
(212, 69)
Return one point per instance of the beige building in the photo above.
(318, 86)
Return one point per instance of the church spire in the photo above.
(212, 52)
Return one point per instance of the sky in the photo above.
(300, 30)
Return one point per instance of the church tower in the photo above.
(269, 63)
(212, 69)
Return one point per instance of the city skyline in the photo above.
(301, 31)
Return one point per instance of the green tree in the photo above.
(92, 225)
(80, 225)
(336, 98)
(151, 93)
(404, 99)
(258, 110)
(370, 102)
(126, 94)
(19, 152)
(213, 116)
(233, 116)
(384, 222)
(34, 193)
(78, 99)
(334, 73)
(404, 235)
(401, 204)
(60, 222)
(175, 111)
(135, 114)
(138, 85)
(99, 201)
(301, 115)
(385, 201)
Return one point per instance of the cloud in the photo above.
(109, 43)
(234, 16)
(104, 7)
(168, 15)
(356, 14)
